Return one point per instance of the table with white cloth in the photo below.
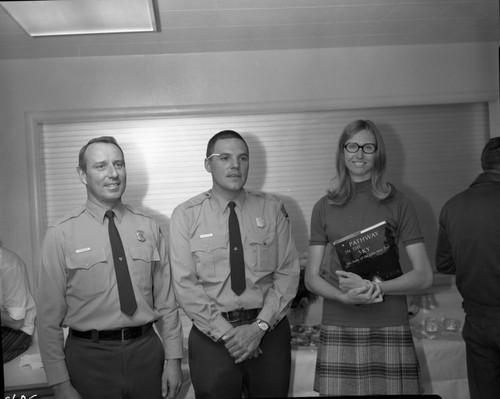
(24, 376)
(442, 356)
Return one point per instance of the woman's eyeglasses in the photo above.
(367, 148)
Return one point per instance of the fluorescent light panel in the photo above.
(82, 17)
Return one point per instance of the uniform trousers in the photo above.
(116, 370)
(482, 343)
(215, 375)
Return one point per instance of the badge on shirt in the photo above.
(140, 235)
(260, 222)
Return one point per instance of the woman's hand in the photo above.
(368, 294)
(349, 281)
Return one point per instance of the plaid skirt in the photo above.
(367, 361)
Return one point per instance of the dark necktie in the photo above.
(125, 290)
(236, 258)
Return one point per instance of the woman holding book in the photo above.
(366, 347)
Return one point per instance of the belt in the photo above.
(123, 334)
(239, 315)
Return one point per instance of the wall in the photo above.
(325, 78)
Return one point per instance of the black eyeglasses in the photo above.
(367, 148)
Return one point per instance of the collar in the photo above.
(487, 177)
(223, 202)
(363, 185)
(98, 211)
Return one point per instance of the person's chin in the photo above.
(359, 171)
(235, 186)
(114, 198)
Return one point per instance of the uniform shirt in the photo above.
(199, 245)
(77, 282)
(15, 295)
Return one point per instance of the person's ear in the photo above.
(82, 175)
(208, 165)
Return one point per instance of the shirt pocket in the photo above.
(88, 273)
(263, 250)
(210, 256)
(142, 270)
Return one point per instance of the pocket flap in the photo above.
(145, 253)
(208, 244)
(261, 238)
(85, 260)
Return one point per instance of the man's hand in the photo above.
(171, 380)
(256, 353)
(65, 390)
(243, 342)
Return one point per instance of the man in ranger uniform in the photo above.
(235, 271)
(105, 275)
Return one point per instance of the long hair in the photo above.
(343, 189)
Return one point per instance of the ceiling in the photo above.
(194, 26)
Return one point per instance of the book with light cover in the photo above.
(371, 253)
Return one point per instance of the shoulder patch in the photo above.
(283, 210)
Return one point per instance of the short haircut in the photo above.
(490, 157)
(224, 134)
(103, 139)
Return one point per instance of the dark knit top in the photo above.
(331, 222)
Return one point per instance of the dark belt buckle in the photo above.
(241, 315)
(235, 316)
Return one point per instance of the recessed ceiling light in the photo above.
(82, 17)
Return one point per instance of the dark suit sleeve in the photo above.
(444, 256)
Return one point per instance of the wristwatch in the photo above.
(262, 325)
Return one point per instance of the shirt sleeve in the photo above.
(15, 293)
(286, 276)
(408, 225)
(169, 325)
(318, 229)
(52, 307)
(189, 289)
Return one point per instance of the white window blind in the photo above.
(433, 153)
